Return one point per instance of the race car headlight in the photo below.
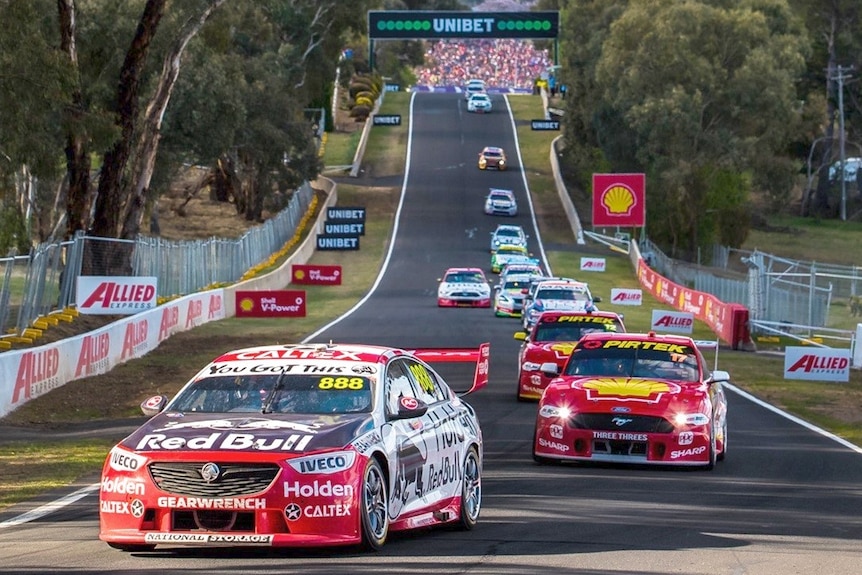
(502, 162)
(324, 463)
(554, 412)
(690, 419)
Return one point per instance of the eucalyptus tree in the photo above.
(835, 28)
(240, 109)
(701, 95)
(35, 84)
(595, 137)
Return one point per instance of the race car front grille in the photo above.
(224, 521)
(232, 480)
(466, 294)
(621, 422)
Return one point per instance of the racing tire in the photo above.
(131, 547)
(710, 465)
(374, 507)
(721, 456)
(471, 491)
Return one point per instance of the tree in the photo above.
(834, 28)
(700, 90)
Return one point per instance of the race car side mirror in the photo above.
(409, 409)
(719, 375)
(550, 369)
(154, 405)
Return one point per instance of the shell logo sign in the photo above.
(647, 391)
(619, 200)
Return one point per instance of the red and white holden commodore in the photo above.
(552, 339)
(635, 398)
(299, 445)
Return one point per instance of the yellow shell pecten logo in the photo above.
(299, 275)
(618, 200)
(635, 390)
(563, 349)
(246, 304)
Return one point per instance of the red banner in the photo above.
(721, 317)
(619, 200)
(306, 274)
(270, 303)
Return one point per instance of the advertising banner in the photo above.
(29, 373)
(416, 24)
(626, 296)
(115, 295)
(270, 303)
(593, 264)
(619, 200)
(672, 321)
(307, 274)
(816, 363)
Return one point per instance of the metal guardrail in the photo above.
(44, 281)
(771, 292)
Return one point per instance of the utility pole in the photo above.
(842, 75)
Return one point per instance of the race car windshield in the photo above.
(464, 278)
(570, 332)
(605, 362)
(561, 294)
(274, 393)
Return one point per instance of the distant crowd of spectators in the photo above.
(501, 63)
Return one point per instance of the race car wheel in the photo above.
(471, 490)
(710, 465)
(131, 548)
(723, 454)
(373, 507)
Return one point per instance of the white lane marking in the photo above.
(793, 418)
(51, 507)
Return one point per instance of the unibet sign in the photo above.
(415, 24)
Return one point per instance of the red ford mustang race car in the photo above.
(633, 398)
(552, 340)
(299, 445)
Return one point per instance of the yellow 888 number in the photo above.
(341, 383)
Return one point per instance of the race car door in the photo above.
(436, 451)
(407, 439)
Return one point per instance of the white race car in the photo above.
(479, 103)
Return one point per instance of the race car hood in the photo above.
(635, 394)
(557, 351)
(277, 433)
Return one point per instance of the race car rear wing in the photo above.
(481, 356)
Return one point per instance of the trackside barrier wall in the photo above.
(29, 373)
(729, 321)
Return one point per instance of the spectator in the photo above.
(501, 63)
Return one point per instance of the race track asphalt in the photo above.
(787, 500)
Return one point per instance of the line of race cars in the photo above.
(315, 445)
